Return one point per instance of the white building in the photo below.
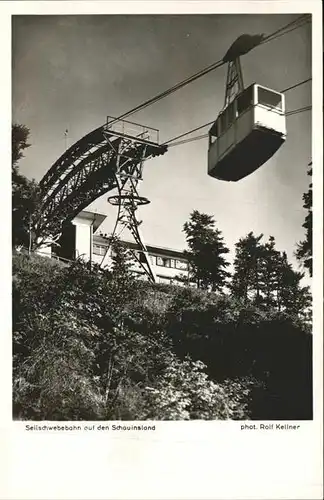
(166, 263)
(80, 238)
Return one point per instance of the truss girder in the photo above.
(74, 176)
(78, 149)
(78, 192)
(87, 171)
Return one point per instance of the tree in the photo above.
(75, 358)
(207, 265)
(121, 260)
(24, 192)
(293, 298)
(246, 280)
(19, 142)
(304, 250)
(24, 202)
(270, 271)
(263, 277)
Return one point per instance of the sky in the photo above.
(70, 72)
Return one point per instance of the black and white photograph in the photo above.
(162, 250)
(162, 217)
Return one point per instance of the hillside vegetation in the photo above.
(97, 344)
(93, 344)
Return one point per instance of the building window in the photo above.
(159, 261)
(166, 262)
(163, 261)
(99, 249)
(182, 264)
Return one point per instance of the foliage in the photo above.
(19, 142)
(24, 191)
(185, 392)
(55, 382)
(270, 275)
(122, 261)
(207, 264)
(238, 340)
(25, 194)
(246, 278)
(26, 200)
(92, 343)
(80, 356)
(263, 276)
(304, 250)
(291, 296)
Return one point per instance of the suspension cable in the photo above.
(282, 31)
(297, 23)
(203, 136)
(213, 121)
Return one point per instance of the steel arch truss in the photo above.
(88, 169)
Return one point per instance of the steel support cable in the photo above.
(203, 136)
(297, 85)
(297, 23)
(176, 87)
(299, 110)
(289, 113)
(213, 121)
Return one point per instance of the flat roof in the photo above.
(95, 218)
(150, 248)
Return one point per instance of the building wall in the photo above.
(83, 240)
(166, 263)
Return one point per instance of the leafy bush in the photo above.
(184, 392)
(55, 381)
(90, 344)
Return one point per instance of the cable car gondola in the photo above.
(250, 128)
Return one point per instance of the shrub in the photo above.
(55, 380)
